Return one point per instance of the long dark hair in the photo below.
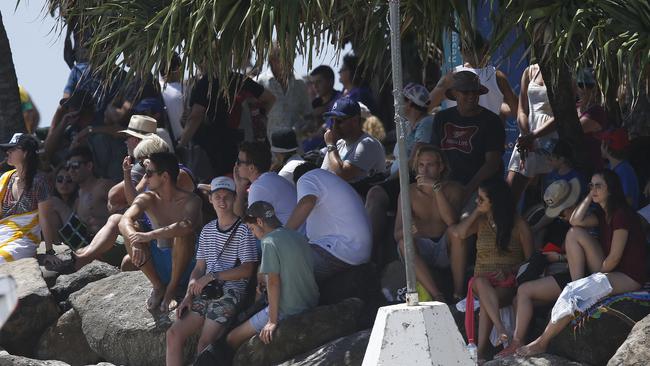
(503, 210)
(616, 198)
(30, 166)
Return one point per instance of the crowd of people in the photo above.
(260, 194)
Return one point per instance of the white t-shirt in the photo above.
(272, 188)
(339, 222)
(172, 94)
(287, 170)
(367, 154)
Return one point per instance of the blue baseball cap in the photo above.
(149, 105)
(344, 108)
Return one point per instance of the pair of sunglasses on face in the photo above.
(61, 179)
(74, 164)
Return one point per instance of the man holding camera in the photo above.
(217, 284)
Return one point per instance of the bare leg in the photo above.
(101, 243)
(127, 265)
(620, 282)
(422, 273)
(180, 330)
(489, 300)
(377, 202)
(542, 291)
(150, 271)
(484, 330)
(582, 248)
(518, 184)
(182, 252)
(240, 334)
(458, 258)
(210, 333)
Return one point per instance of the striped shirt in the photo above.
(240, 249)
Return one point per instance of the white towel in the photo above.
(580, 295)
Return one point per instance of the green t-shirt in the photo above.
(287, 252)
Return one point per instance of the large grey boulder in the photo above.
(345, 351)
(595, 341)
(10, 360)
(69, 283)
(116, 323)
(36, 308)
(636, 348)
(544, 359)
(66, 342)
(301, 333)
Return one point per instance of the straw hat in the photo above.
(141, 126)
(560, 195)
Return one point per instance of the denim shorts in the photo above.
(259, 320)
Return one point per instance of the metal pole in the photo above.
(400, 125)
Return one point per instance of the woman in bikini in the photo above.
(503, 242)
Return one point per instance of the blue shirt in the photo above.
(629, 181)
(554, 176)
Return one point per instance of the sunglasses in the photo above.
(61, 179)
(150, 172)
(596, 186)
(74, 164)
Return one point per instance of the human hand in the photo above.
(526, 141)
(195, 287)
(240, 183)
(138, 256)
(330, 137)
(126, 164)
(70, 118)
(266, 334)
(141, 237)
(183, 307)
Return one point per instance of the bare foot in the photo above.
(155, 298)
(531, 349)
(503, 339)
(510, 350)
(168, 302)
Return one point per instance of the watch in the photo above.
(331, 147)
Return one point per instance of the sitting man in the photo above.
(107, 235)
(90, 208)
(286, 272)
(351, 153)
(337, 224)
(435, 205)
(223, 242)
(253, 163)
(164, 253)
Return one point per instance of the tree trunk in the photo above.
(11, 117)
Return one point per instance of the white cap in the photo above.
(222, 183)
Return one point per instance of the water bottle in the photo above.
(473, 353)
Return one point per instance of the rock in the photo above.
(596, 340)
(94, 271)
(345, 351)
(11, 360)
(359, 282)
(50, 273)
(543, 359)
(636, 348)
(36, 308)
(66, 342)
(116, 323)
(301, 333)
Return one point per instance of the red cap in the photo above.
(615, 139)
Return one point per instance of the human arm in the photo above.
(525, 237)
(273, 292)
(127, 225)
(197, 114)
(510, 101)
(581, 217)
(116, 198)
(60, 121)
(449, 199)
(522, 108)
(437, 95)
(194, 287)
(130, 190)
(467, 226)
(487, 170)
(619, 240)
(299, 215)
(344, 169)
(184, 227)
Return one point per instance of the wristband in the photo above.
(436, 186)
(331, 148)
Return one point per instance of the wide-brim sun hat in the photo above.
(465, 81)
(141, 126)
(561, 195)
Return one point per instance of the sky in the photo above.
(37, 53)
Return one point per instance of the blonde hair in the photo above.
(374, 127)
(149, 145)
(429, 149)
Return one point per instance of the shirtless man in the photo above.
(91, 204)
(164, 253)
(435, 205)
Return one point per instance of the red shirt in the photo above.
(633, 261)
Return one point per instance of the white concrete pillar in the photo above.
(416, 335)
